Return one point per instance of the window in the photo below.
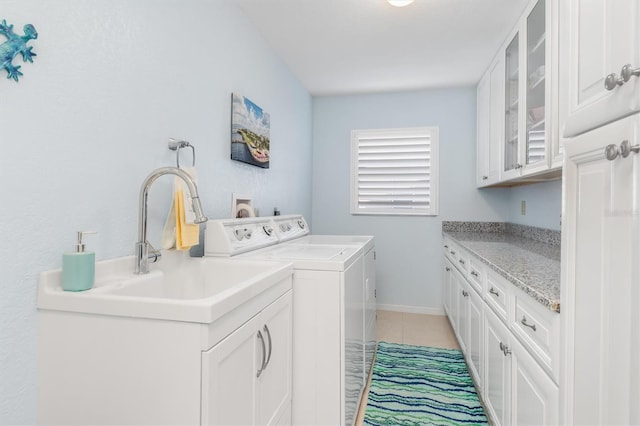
(394, 171)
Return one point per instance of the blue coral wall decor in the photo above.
(16, 44)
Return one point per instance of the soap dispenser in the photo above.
(78, 268)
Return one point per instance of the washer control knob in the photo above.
(267, 230)
(301, 224)
(247, 233)
(239, 233)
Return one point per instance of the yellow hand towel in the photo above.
(186, 235)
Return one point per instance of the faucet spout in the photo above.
(144, 251)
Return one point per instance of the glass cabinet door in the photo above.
(511, 105)
(535, 134)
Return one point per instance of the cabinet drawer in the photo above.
(463, 261)
(450, 251)
(496, 294)
(476, 274)
(538, 330)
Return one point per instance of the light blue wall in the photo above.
(113, 80)
(543, 204)
(409, 248)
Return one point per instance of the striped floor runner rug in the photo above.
(418, 385)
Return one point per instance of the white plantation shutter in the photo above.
(394, 171)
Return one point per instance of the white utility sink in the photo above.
(178, 287)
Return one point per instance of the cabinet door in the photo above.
(274, 383)
(229, 372)
(475, 335)
(599, 38)
(446, 288)
(461, 311)
(496, 134)
(511, 156)
(535, 139)
(601, 234)
(534, 396)
(483, 123)
(497, 375)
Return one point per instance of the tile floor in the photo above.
(412, 329)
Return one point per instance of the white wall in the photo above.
(113, 80)
(409, 248)
(543, 204)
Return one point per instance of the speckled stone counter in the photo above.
(527, 257)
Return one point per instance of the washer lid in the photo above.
(312, 257)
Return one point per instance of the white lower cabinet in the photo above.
(247, 376)
(497, 366)
(517, 390)
(510, 343)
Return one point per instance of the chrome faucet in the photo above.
(144, 250)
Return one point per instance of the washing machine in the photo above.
(328, 310)
(293, 229)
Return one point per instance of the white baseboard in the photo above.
(410, 309)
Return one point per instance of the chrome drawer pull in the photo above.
(505, 349)
(475, 274)
(264, 353)
(612, 81)
(266, 330)
(446, 246)
(446, 268)
(461, 261)
(464, 293)
(524, 322)
(628, 71)
(494, 292)
(452, 252)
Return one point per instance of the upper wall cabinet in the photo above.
(522, 101)
(600, 63)
(489, 125)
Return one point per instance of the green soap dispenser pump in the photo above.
(79, 267)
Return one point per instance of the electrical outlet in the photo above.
(523, 208)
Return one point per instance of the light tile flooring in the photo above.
(412, 329)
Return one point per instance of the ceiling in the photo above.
(363, 46)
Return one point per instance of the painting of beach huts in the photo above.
(249, 132)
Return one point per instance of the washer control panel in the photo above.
(236, 236)
(290, 227)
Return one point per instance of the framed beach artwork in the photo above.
(249, 132)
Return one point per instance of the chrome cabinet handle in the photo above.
(611, 152)
(475, 274)
(612, 81)
(628, 71)
(485, 177)
(626, 148)
(446, 268)
(266, 330)
(517, 166)
(461, 261)
(524, 322)
(446, 246)
(264, 352)
(505, 349)
(494, 292)
(452, 252)
(464, 293)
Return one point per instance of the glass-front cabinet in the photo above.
(512, 104)
(526, 92)
(536, 72)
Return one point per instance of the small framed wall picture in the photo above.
(250, 126)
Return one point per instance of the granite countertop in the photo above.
(528, 258)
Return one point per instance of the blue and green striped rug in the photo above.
(418, 385)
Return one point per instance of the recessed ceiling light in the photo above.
(400, 3)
